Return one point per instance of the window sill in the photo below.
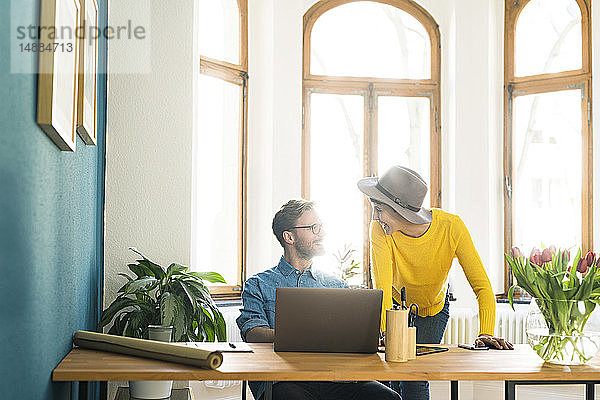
(503, 300)
(221, 303)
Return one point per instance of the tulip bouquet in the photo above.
(566, 294)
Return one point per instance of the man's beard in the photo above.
(307, 250)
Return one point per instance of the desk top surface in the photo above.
(265, 364)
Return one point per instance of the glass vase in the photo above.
(563, 331)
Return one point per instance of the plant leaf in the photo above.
(139, 270)
(144, 284)
(175, 269)
(212, 277)
(117, 306)
(168, 308)
(156, 269)
(511, 292)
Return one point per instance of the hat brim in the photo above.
(369, 187)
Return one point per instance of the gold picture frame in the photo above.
(88, 68)
(58, 71)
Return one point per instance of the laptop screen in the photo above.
(327, 320)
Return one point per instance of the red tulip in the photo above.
(516, 252)
(567, 275)
(590, 258)
(582, 266)
(546, 255)
(536, 257)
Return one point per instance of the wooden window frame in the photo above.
(371, 89)
(547, 83)
(236, 74)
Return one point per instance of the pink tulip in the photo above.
(552, 249)
(566, 256)
(582, 266)
(546, 255)
(516, 252)
(536, 257)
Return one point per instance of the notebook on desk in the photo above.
(327, 320)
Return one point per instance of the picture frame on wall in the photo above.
(88, 68)
(58, 71)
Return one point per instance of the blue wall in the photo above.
(51, 247)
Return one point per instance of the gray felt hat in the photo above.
(402, 189)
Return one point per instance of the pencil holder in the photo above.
(396, 340)
(412, 342)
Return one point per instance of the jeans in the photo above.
(333, 391)
(429, 330)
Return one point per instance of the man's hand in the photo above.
(260, 334)
(493, 342)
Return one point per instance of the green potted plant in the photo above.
(161, 296)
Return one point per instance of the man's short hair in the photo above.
(287, 216)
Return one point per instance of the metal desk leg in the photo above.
(268, 391)
(104, 390)
(453, 390)
(589, 391)
(509, 390)
(83, 390)
(244, 386)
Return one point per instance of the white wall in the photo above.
(149, 139)
(150, 124)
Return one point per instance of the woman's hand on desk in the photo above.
(492, 342)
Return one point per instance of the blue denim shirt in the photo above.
(258, 298)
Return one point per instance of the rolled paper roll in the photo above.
(396, 336)
(171, 352)
(412, 342)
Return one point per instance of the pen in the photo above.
(232, 345)
(403, 297)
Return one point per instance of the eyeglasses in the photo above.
(315, 228)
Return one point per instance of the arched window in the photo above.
(219, 205)
(371, 99)
(547, 125)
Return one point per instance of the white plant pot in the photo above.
(148, 390)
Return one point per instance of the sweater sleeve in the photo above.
(476, 275)
(381, 267)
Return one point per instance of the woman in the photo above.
(414, 247)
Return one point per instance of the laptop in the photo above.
(327, 320)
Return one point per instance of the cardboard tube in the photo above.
(396, 349)
(149, 348)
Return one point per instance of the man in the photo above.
(299, 230)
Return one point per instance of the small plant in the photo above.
(347, 265)
(171, 296)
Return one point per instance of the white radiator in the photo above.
(233, 335)
(463, 324)
(511, 324)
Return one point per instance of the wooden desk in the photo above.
(520, 366)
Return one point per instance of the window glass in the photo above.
(217, 207)
(548, 37)
(369, 39)
(547, 170)
(336, 160)
(219, 30)
(404, 134)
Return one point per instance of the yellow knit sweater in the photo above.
(422, 264)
